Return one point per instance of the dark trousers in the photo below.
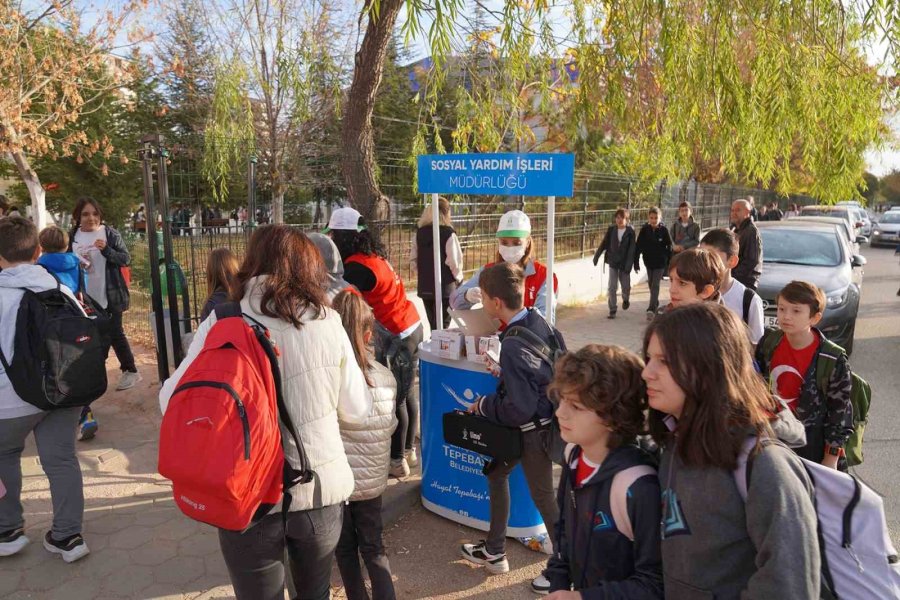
(362, 536)
(255, 558)
(654, 277)
(429, 311)
(618, 277)
(401, 356)
(538, 470)
(116, 338)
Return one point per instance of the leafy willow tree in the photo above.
(760, 91)
(55, 69)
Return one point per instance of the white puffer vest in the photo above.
(368, 444)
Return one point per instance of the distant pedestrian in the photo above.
(368, 448)
(619, 247)
(655, 244)
(792, 211)
(774, 213)
(421, 258)
(221, 278)
(685, 233)
(750, 255)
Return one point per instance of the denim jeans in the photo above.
(401, 356)
(118, 341)
(616, 277)
(362, 536)
(255, 558)
(654, 277)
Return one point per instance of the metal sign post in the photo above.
(522, 175)
(148, 152)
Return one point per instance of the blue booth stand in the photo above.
(452, 483)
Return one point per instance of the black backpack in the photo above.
(549, 353)
(749, 295)
(58, 355)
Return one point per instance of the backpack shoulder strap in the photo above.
(745, 462)
(225, 310)
(533, 341)
(826, 360)
(748, 302)
(618, 496)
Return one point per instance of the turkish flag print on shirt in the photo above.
(787, 369)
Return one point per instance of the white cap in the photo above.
(514, 224)
(344, 219)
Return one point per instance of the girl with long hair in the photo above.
(399, 331)
(281, 285)
(706, 401)
(368, 448)
(221, 276)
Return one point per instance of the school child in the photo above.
(601, 402)
(368, 449)
(515, 246)
(619, 246)
(790, 367)
(685, 232)
(221, 274)
(706, 401)
(655, 244)
(694, 276)
(65, 265)
(520, 401)
(735, 295)
(54, 431)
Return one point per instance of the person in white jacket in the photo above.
(368, 448)
(282, 280)
(54, 431)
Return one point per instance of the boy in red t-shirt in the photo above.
(789, 363)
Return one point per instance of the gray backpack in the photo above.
(858, 558)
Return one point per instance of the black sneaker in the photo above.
(625, 304)
(611, 315)
(12, 541)
(475, 553)
(71, 549)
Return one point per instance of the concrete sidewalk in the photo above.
(141, 545)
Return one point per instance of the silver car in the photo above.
(886, 232)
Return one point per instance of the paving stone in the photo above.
(131, 538)
(81, 588)
(162, 591)
(112, 523)
(177, 528)
(218, 593)
(200, 544)
(154, 516)
(155, 553)
(47, 574)
(108, 560)
(9, 581)
(128, 581)
(180, 570)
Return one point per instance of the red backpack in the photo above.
(219, 442)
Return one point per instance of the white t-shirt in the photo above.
(83, 246)
(734, 300)
(621, 233)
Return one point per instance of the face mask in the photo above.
(512, 254)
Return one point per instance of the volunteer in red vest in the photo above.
(399, 329)
(514, 246)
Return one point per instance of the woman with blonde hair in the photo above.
(221, 274)
(421, 257)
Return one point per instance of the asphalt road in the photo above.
(876, 357)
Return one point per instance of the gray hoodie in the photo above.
(716, 546)
(333, 264)
(12, 280)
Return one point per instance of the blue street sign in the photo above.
(497, 174)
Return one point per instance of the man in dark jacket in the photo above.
(618, 244)
(655, 243)
(750, 254)
(520, 401)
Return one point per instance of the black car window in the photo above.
(798, 247)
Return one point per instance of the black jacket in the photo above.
(750, 254)
(686, 237)
(425, 262)
(619, 255)
(656, 246)
(591, 554)
(521, 394)
(117, 256)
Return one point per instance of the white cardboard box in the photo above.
(448, 343)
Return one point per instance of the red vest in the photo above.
(388, 298)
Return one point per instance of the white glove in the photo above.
(473, 295)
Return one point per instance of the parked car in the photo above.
(841, 212)
(887, 230)
(861, 214)
(817, 253)
(853, 240)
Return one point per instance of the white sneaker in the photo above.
(399, 468)
(540, 585)
(412, 457)
(11, 542)
(494, 563)
(128, 380)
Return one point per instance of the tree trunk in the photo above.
(278, 208)
(358, 162)
(35, 190)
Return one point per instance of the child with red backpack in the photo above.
(788, 357)
(368, 448)
(607, 539)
